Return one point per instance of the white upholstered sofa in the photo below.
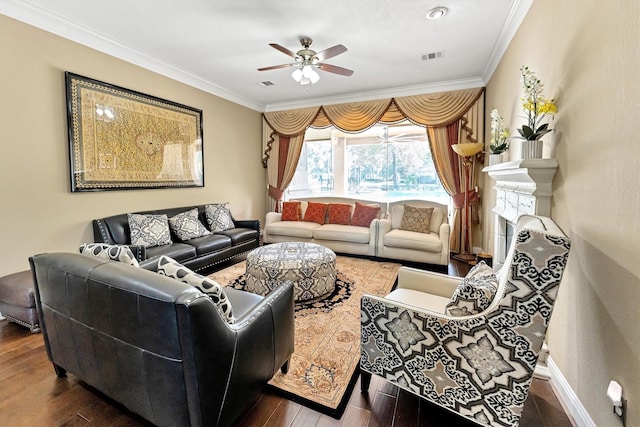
(383, 238)
(348, 239)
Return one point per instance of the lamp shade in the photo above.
(467, 149)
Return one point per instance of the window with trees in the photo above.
(384, 163)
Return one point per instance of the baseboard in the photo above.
(567, 397)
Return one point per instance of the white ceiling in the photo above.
(218, 45)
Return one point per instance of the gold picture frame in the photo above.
(120, 139)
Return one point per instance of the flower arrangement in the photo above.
(536, 106)
(499, 133)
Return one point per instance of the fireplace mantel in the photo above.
(523, 187)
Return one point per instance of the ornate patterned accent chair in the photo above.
(480, 365)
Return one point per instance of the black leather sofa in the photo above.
(197, 254)
(158, 346)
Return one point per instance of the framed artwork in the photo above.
(120, 139)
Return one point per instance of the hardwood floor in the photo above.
(32, 395)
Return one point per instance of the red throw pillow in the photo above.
(339, 213)
(291, 211)
(364, 214)
(315, 212)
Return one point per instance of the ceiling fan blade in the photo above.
(335, 69)
(275, 67)
(282, 49)
(331, 52)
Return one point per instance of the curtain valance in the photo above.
(432, 110)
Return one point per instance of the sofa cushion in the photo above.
(422, 300)
(342, 233)
(187, 225)
(241, 235)
(363, 214)
(301, 229)
(339, 213)
(149, 230)
(475, 293)
(416, 219)
(427, 242)
(291, 211)
(210, 243)
(178, 251)
(218, 217)
(316, 212)
(171, 268)
(119, 253)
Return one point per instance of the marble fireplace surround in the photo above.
(522, 187)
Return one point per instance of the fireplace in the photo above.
(523, 187)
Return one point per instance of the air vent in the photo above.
(432, 55)
(266, 83)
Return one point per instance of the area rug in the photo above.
(324, 364)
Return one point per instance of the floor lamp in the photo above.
(467, 151)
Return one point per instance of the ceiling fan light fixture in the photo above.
(437, 13)
(305, 75)
(310, 73)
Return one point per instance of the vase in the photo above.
(532, 149)
(494, 159)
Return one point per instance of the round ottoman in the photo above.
(311, 268)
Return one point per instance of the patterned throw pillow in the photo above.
(416, 219)
(218, 217)
(315, 212)
(119, 253)
(187, 225)
(172, 268)
(364, 214)
(475, 293)
(291, 211)
(149, 230)
(339, 213)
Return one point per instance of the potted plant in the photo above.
(536, 107)
(499, 137)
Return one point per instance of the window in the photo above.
(384, 163)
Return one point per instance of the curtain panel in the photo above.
(451, 117)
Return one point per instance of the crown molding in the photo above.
(41, 18)
(393, 92)
(516, 15)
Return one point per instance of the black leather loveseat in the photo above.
(159, 346)
(196, 254)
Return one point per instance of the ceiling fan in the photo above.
(306, 60)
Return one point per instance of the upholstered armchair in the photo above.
(480, 365)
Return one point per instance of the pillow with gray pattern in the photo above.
(187, 225)
(119, 253)
(171, 268)
(475, 293)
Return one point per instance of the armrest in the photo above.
(272, 217)
(444, 232)
(248, 223)
(427, 281)
(384, 226)
(269, 327)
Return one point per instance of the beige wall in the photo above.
(38, 211)
(587, 53)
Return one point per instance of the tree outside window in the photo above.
(385, 163)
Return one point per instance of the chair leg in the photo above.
(60, 372)
(285, 368)
(365, 381)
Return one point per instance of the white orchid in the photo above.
(499, 133)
